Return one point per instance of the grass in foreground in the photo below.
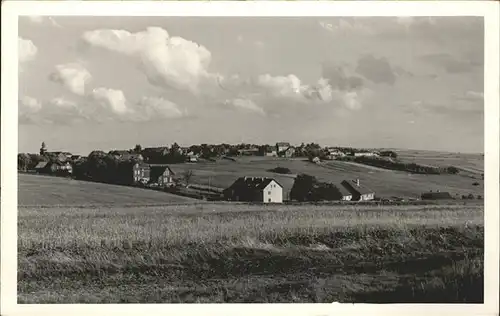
(195, 254)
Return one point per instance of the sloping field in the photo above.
(35, 190)
(469, 162)
(384, 182)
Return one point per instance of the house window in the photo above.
(268, 192)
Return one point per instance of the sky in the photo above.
(88, 83)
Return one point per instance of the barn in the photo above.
(255, 189)
(359, 192)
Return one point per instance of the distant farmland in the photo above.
(384, 182)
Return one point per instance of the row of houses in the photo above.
(54, 167)
(268, 190)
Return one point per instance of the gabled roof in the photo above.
(352, 187)
(157, 171)
(252, 183)
(344, 191)
(41, 164)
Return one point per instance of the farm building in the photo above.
(358, 191)
(41, 167)
(255, 189)
(346, 194)
(436, 196)
(282, 147)
(333, 153)
(161, 175)
(53, 167)
(270, 151)
(288, 153)
(141, 173)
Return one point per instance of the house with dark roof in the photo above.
(282, 146)
(41, 167)
(161, 176)
(54, 167)
(359, 192)
(255, 189)
(287, 153)
(346, 194)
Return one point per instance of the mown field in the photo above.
(383, 182)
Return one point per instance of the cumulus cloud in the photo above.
(167, 61)
(377, 70)
(291, 89)
(26, 50)
(157, 107)
(57, 110)
(112, 100)
(72, 76)
(245, 105)
(281, 86)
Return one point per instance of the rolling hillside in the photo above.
(37, 190)
(384, 182)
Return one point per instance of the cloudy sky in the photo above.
(112, 82)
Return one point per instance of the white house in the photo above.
(255, 189)
(272, 192)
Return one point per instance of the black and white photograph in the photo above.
(251, 159)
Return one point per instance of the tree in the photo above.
(187, 175)
(302, 187)
(138, 149)
(23, 162)
(43, 149)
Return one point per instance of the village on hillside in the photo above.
(154, 168)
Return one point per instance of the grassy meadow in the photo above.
(223, 253)
(223, 173)
(83, 242)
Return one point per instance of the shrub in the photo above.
(281, 170)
